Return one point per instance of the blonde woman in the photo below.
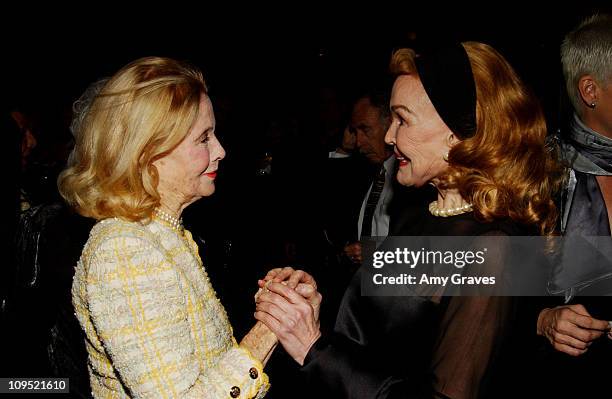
(154, 327)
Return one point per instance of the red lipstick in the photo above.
(402, 160)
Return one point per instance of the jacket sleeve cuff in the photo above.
(242, 375)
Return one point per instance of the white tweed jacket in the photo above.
(154, 326)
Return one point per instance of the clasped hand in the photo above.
(288, 303)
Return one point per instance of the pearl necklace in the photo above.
(446, 212)
(175, 223)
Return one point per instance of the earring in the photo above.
(593, 104)
(445, 157)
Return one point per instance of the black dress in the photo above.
(413, 347)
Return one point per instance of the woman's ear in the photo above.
(451, 140)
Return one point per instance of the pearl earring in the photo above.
(445, 157)
(593, 105)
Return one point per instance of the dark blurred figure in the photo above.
(47, 340)
(27, 143)
(14, 137)
(45, 147)
(45, 337)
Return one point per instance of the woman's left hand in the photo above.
(291, 317)
(302, 282)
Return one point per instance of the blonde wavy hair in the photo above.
(505, 169)
(141, 114)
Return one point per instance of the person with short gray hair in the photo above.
(586, 56)
(579, 326)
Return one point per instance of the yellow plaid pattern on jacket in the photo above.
(154, 326)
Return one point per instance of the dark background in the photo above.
(262, 60)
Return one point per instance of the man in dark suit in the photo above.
(352, 170)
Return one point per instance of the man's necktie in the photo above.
(368, 214)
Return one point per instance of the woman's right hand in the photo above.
(291, 317)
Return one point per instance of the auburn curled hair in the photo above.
(141, 114)
(505, 169)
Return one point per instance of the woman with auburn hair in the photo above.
(464, 122)
(146, 150)
(504, 169)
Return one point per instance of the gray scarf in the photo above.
(589, 154)
(587, 151)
